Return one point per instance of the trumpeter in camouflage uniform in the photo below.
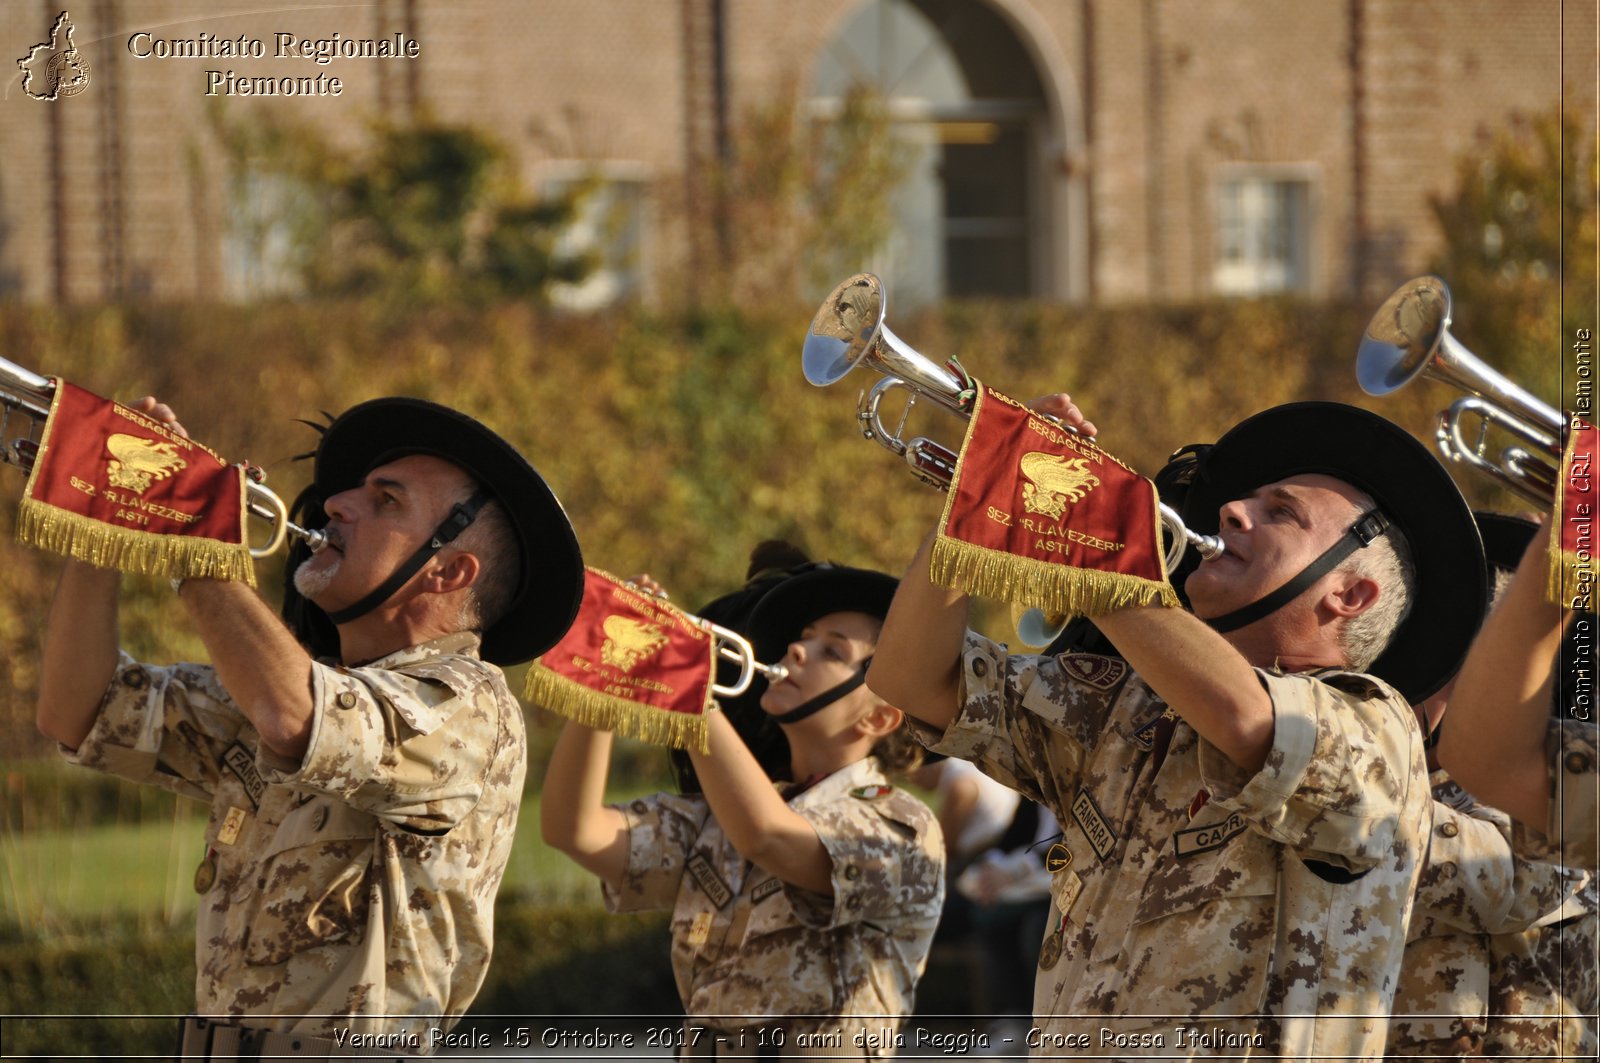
(1475, 978)
(362, 804)
(1569, 829)
(1504, 746)
(796, 913)
(1544, 984)
(1237, 880)
(1500, 956)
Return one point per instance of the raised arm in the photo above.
(1493, 740)
(917, 665)
(1195, 670)
(258, 661)
(80, 652)
(1200, 675)
(754, 816)
(573, 816)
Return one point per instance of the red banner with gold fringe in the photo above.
(118, 489)
(1572, 567)
(630, 663)
(1042, 517)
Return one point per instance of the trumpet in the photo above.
(1409, 337)
(29, 395)
(849, 330)
(732, 646)
(1036, 628)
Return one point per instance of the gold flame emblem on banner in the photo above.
(1056, 481)
(629, 641)
(136, 463)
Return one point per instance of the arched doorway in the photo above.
(973, 217)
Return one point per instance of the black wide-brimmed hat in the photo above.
(551, 586)
(1408, 484)
(771, 563)
(786, 609)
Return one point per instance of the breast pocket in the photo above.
(315, 882)
(1203, 932)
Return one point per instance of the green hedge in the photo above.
(96, 986)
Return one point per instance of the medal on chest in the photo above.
(205, 876)
(1050, 951)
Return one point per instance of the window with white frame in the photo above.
(610, 224)
(1263, 234)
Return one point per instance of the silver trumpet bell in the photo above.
(28, 394)
(731, 646)
(1409, 337)
(849, 329)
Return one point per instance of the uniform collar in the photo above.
(864, 772)
(455, 644)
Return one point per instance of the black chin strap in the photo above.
(826, 698)
(462, 515)
(1361, 534)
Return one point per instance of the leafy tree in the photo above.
(422, 212)
(1519, 245)
(801, 202)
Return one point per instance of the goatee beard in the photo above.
(310, 581)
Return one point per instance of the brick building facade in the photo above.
(1097, 150)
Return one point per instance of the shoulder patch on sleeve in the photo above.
(872, 793)
(1093, 670)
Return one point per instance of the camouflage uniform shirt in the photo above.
(1469, 978)
(1573, 833)
(1544, 985)
(750, 949)
(1201, 910)
(354, 891)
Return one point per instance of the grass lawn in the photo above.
(55, 880)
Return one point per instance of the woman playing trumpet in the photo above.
(793, 909)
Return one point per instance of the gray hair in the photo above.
(492, 539)
(1387, 561)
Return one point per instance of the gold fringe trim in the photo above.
(1060, 590)
(1057, 589)
(1570, 581)
(607, 712)
(129, 550)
